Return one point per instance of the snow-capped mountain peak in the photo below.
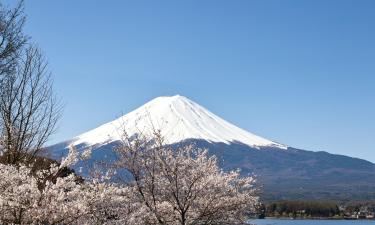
(178, 118)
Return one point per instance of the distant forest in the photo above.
(316, 209)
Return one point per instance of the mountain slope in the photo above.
(284, 172)
(179, 119)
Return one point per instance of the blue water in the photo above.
(311, 222)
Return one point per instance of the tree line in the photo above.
(301, 209)
(315, 209)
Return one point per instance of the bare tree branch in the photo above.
(12, 39)
(29, 110)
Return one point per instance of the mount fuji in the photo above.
(178, 118)
(284, 172)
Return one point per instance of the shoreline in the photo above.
(315, 218)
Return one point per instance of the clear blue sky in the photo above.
(298, 72)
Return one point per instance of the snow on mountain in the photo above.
(179, 119)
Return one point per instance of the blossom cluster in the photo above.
(166, 186)
(28, 197)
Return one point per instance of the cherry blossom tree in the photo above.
(29, 198)
(184, 185)
(163, 185)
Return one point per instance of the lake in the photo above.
(311, 222)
